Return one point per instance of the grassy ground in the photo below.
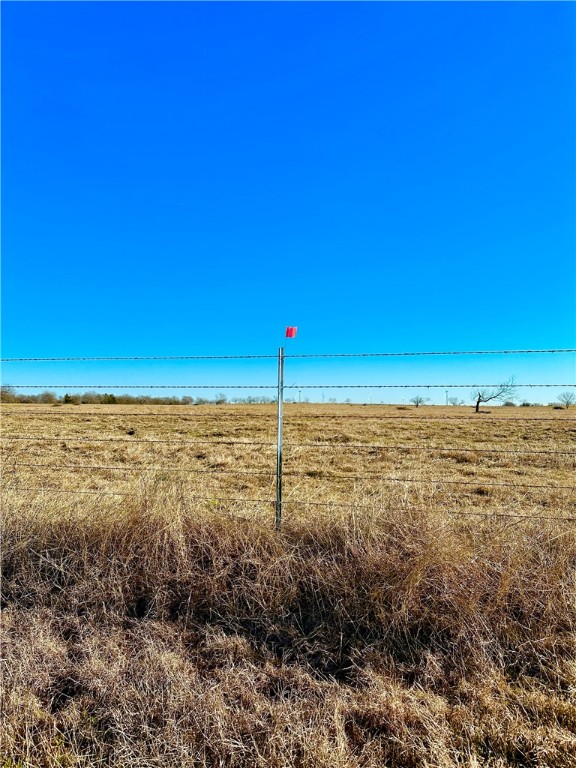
(397, 620)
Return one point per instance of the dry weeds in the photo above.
(379, 629)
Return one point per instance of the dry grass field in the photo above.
(405, 616)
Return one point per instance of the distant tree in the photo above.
(419, 400)
(504, 391)
(509, 403)
(91, 398)
(567, 398)
(455, 401)
(8, 395)
(48, 398)
(220, 398)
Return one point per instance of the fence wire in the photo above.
(304, 502)
(117, 387)
(145, 468)
(311, 474)
(337, 445)
(71, 439)
(16, 411)
(302, 356)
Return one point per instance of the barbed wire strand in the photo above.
(191, 470)
(303, 502)
(380, 446)
(71, 439)
(440, 354)
(275, 386)
(135, 358)
(414, 386)
(476, 417)
(269, 357)
(109, 493)
(89, 387)
(61, 490)
(196, 416)
(319, 475)
(445, 511)
(430, 448)
(454, 513)
(146, 468)
(187, 416)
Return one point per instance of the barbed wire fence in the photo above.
(278, 472)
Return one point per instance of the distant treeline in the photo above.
(9, 395)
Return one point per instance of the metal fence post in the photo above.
(279, 438)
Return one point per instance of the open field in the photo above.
(322, 457)
(405, 616)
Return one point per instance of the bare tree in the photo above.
(48, 398)
(419, 400)
(504, 391)
(8, 394)
(567, 398)
(455, 401)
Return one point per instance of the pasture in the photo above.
(406, 615)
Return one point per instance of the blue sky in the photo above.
(188, 178)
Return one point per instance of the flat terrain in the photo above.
(406, 615)
(444, 459)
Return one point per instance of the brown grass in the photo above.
(154, 629)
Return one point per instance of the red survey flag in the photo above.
(291, 331)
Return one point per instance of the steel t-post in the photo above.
(279, 438)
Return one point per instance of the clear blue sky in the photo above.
(188, 178)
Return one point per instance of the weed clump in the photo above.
(157, 633)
